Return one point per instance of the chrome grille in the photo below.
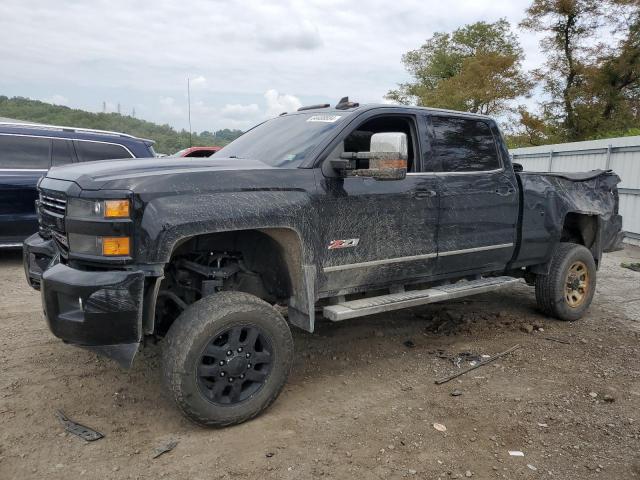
(53, 206)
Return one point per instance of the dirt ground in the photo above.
(361, 401)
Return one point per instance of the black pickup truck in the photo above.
(347, 211)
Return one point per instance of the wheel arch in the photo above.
(583, 228)
(276, 252)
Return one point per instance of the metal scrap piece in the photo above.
(85, 433)
(170, 445)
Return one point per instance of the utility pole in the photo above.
(104, 107)
(133, 112)
(118, 108)
(189, 110)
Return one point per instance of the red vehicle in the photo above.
(197, 152)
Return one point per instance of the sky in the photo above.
(246, 60)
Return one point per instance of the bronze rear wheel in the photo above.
(577, 284)
(566, 291)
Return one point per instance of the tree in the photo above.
(591, 88)
(476, 68)
(167, 139)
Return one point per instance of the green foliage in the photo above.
(476, 68)
(167, 139)
(590, 90)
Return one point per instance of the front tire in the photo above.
(226, 358)
(567, 291)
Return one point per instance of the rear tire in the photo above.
(568, 289)
(226, 358)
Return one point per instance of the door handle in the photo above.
(504, 191)
(424, 193)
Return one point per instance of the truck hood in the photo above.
(130, 173)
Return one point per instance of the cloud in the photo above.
(233, 52)
(198, 81)
(304, 36)
(169, 107)
(240, 112)
(58, 99)
(276, 103)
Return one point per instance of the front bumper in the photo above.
(99, 310)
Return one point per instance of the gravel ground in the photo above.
(361, 401)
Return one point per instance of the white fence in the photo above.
(622, 155)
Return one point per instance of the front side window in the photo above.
(286, 141)
(359, 140)
(464, 145)
(90, 151)
(18, 151)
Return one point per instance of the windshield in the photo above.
(283, 142)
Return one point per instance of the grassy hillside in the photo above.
(167, 139)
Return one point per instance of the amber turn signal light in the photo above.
(116, 208)
(116, 246)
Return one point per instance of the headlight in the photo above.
(99, 246)
(89, 209)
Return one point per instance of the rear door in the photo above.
(478, 197)
(23, 160)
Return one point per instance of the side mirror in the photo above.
(387, 157)
(517, 167)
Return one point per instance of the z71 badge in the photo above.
(348, 243)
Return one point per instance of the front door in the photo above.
(373, 232)
(478, 196)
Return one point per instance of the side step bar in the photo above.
(412, 298)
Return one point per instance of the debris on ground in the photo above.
(557, 340)
(526, 328)
(478, 365)
(440, 427)
(167, 447)
(456, 393)
(531, 467)
(631, 266)
(516, 453)
(82, 431)
(457, 359)
(409, 343)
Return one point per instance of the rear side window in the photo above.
(60, 152)
(89, 151)
(464, 145)
(18, 151)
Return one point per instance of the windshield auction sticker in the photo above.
(324, 118)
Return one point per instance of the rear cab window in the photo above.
(24, 152)
(464, 145)
(89, 151)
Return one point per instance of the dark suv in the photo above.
(26, 153)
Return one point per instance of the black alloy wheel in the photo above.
(235, 365)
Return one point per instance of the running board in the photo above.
(412, 298)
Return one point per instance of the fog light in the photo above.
(116, 208)
(116, 246)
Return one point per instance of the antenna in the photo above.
(189, 110)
